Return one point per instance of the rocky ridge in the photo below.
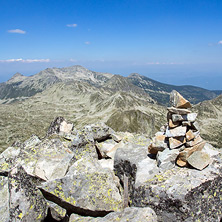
(79, 175)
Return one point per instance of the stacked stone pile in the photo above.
(179, 140)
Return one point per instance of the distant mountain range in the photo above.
(135, 103)
(20, 87)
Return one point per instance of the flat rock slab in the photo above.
(176, 132)
(183, 194)
(93, 194)
(178, 110)
(130, 214)
(176, 142)
(191, 117)
(199, 160)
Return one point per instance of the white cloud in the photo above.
(72, 25)
(18, 31)
(73, 60)
(87, 43)
(25, 60)
(164, 63)
(220, 42)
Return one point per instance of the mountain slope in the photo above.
(160, 91)
(81, 103)
(210, 120)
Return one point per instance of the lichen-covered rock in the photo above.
(59, 125)
(93, 192)
(131, 214)
(183, 194)
(128, 160)
(26, 201)
(56, 212)
(48, 159)
(7, 159)
(4, 199)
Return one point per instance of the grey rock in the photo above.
(107, 147)
(131, 214)
(91, 133)
(146, 169)
(178, 110)
(178, 101)
(166, 159)
(47, 160)
(4, 199)
(158, 143)
(57, 213)
(210, 150)
(176, 132)
(59, 124)
(7, 159)
(126, 161)
(26, 201)
(107, 163)
(92, 192)
(183, 194)
(195, 126)
(199, 160)
(191, 117)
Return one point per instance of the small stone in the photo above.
(178, 110)
(195, 126)
(183, 156)
(197, 140)
(199, 160)
(159, 143)
(173, 124)
(210, 150)
(178, 101)
(166, 159)
(176, 132)
(176, 142)
(190, 135)
(186, 117)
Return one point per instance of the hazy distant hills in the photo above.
(160, 91)
(29, 104)
(20, 87)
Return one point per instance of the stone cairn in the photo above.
(179, 141)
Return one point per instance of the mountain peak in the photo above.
(134, 75)
(16, 78)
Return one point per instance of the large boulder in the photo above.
(4, 199)
(48, 159)
(87, 189)
(183, 194)
(26, 202)
(133, 161)
(131, 214)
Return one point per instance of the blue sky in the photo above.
(172, 41)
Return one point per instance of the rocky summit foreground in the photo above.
(82, 175)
